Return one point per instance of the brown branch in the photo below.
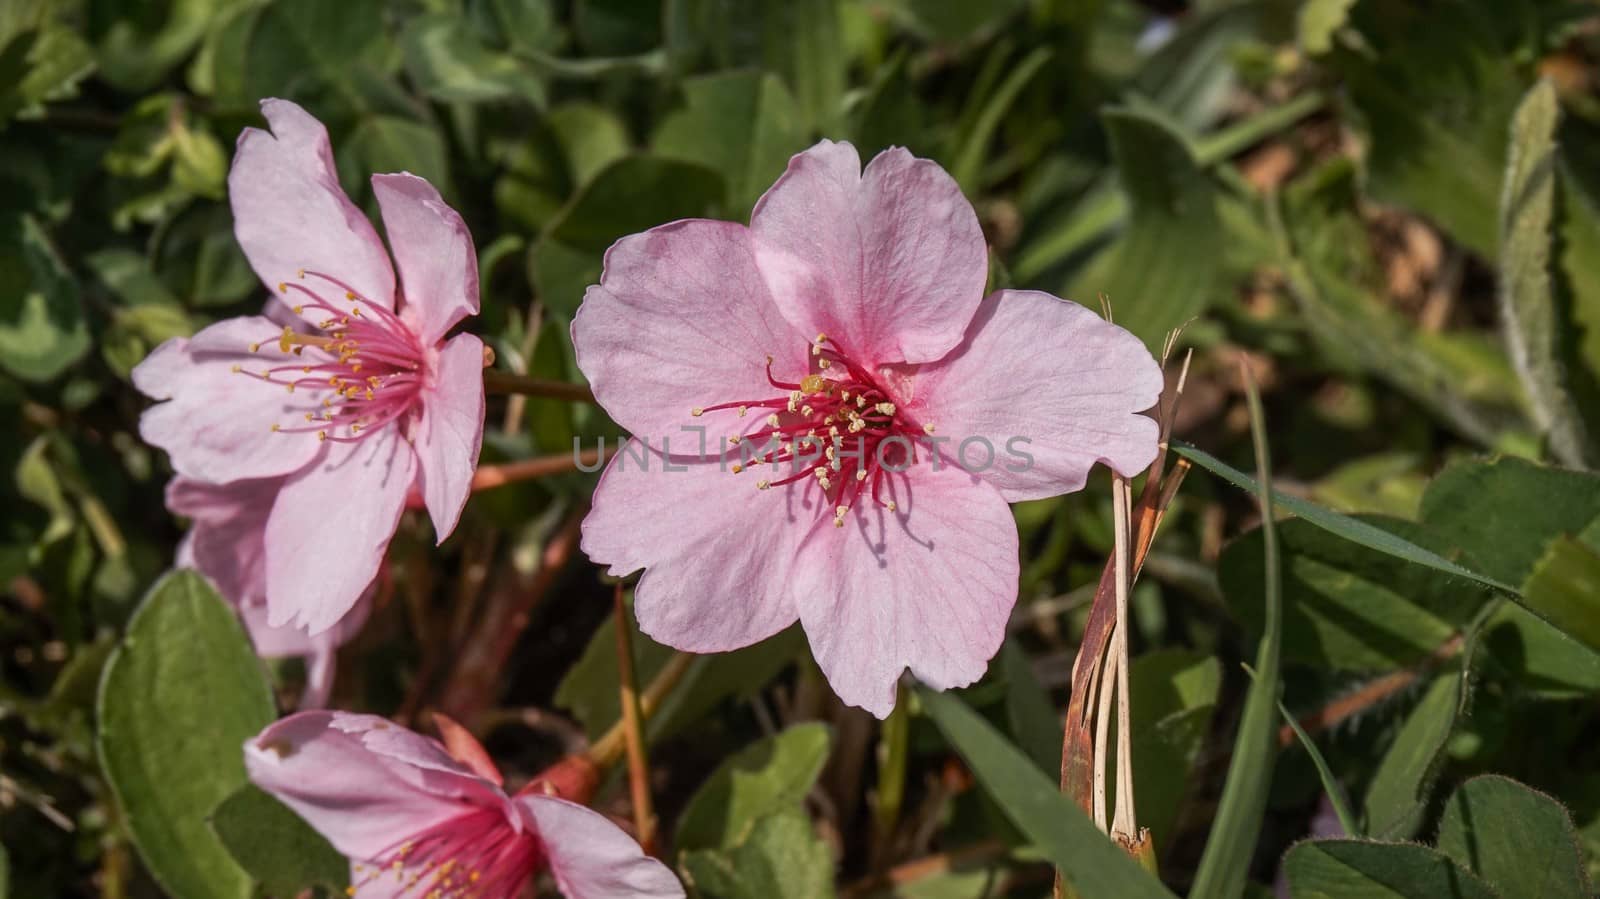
(506, 613)
(490, 476)
(496, 381)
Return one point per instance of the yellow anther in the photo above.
(821, 338)
(255, 347)
(299, 309)
(885, 408)
(299, 273)
(844, 397)
(286, 339)
(743, 410)
(890, 504)
(838, 522)
(773, 419)
(927, 428)
(236, 369)
(861, 474)
(861, 402)
(807, 411)
(737, 468)
(349, 296)
(291, 388)
(762, 485)
(310, 417)
(275, 428)
(813, 384)
(823, 363)
(283, 287)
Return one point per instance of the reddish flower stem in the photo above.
(495, 381)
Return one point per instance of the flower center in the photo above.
(364, 367)
(837, 430)
(473, 856)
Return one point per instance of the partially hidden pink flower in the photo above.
(414, 819)
(226, 543)
(851, 309)
(358, 400)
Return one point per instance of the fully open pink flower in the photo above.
(226, 542)
(851, 308)
(413, 819)
(354, 403)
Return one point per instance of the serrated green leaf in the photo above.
(780, 858)
(1334, 869)
(1162, 271)
(1350, 607)
(765, 778)
(277, 847)
(1527, 304)
(1564, 587)
(743, 124)
(1520, 841)
(178, 699)
(1089, 862)
(1397, 796)
(1503, 512)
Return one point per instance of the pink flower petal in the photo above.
(718, 551)
(591, 857)
(681, 318)
(1067, 385)
(331, 525)
(216, 422)
(450, 431)
(365, 802)
(433, 251)
(290, 214)
(928, 587)
(889, 262)
(225, 541)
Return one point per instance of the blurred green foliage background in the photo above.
(1318, 187)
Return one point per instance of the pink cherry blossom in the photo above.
(226, 542)
(416, 821)
(354, 402)
(836, 341)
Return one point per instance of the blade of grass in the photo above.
(1330, 786)
(1226, 861)
(1089, 861)
(1351, 529)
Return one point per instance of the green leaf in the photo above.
(1352, 529)
(449, 63)
(277, 847)
(1332, 869)
(1350, 607)
(177, 701)
(1330, 784)
(633, 194)
(1520, 841)
(1436, 110)
(800, 40)
(1162, 271)
(1029, 711)
(39, 67)
(1174, 695)
(292, 48)
(1089, 862)
(743, 124)
(1504, 512)
(1527, 305)
(1395, 801)
(1564, 587)
(768, 777)
(42, 331)
(591, 137)
(781, 858)
(952, 21)
(1318, 21)
(137, 50)
(589, 689)
(5, 873)
(972, 148)
(385, 143)
(1225, 863)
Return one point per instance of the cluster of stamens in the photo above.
(474, 856)
(365, 368)
(836, 429)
